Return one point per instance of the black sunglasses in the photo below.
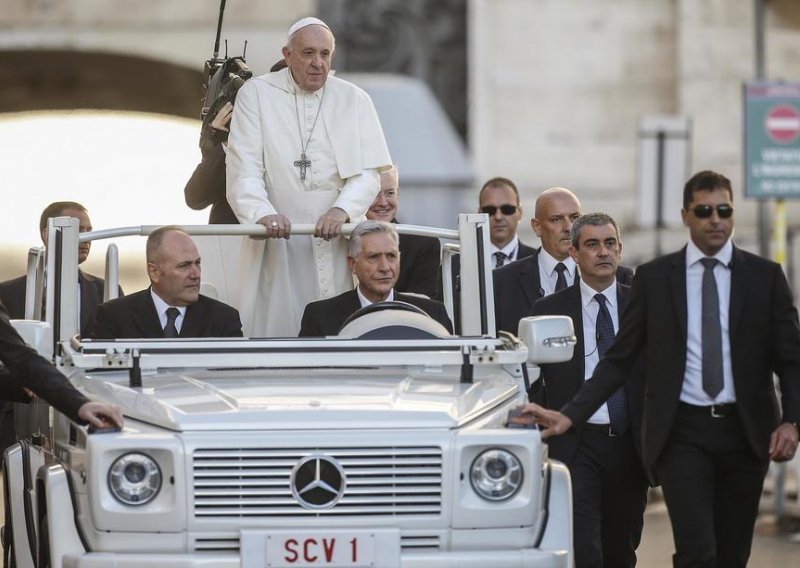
(506, 209)
(704, 211)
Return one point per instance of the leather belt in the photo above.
(714, 411)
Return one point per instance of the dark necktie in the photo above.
(499, 259)
(618, 403)
(561, 279)
(170, 330)
(711, 333)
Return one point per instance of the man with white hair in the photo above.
(304, 147)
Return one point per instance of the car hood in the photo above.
(305, 398)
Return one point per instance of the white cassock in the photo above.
(347, 149)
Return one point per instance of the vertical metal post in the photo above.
(660, 157)
(763, 209)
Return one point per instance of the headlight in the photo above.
(496, 474)
(134, 479)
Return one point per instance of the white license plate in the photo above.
(318, 549)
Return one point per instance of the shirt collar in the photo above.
(588, 293)
(724, 255)
(549, 263)
(162, 306)
(365, 302)
(508, 249)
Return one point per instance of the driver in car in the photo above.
(374, 259)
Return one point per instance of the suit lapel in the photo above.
(677, 280)
(193, 320)
(347, 305)
(145, 318)
(529, 280)
(574, 309)
(739, 277)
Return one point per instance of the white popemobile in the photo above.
(384, 446)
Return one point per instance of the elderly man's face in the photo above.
(309, 55)
(597, 255)
(376, 266)
(384, 208)
(175, 271)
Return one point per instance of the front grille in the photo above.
(255, 482)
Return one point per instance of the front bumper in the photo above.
(435, 559)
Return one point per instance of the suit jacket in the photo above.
(29, 369)
(517, 288)
(764, 338)
(135, 316)
(560, 381)
(455, 270)
(12, 294)
(325, 317)
(419, 265)
(207, 187)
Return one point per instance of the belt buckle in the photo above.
(714, 412)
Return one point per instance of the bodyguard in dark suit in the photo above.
(18, 421)
(517, 286)
(421, 255)
(609, 485)
(713, 323)
(374, 259)
(499, 198)
(172, 306)
(12, 292)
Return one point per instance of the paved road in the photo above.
(771, 547)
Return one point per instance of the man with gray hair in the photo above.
(609, 484)
(304, 147)
(374, 259)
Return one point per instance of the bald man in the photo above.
(173, 305)
(517, 286)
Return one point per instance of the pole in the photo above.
(763, 210)
(660, 149)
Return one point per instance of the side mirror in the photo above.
(550, 339)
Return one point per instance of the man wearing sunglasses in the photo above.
(712, 323)
(499, 198)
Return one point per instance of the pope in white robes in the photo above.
(304, 147)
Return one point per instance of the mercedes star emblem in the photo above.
(317, 482)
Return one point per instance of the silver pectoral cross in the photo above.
(302, 163)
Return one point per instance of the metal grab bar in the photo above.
(254, 230)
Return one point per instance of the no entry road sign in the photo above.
(782, 124)
(772, 139)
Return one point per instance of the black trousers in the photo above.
(609, 494)
(712, 485)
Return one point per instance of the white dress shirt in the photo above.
(365, 302)
(548, 274)
(161, 310)
(692, 390)
(510, 250)
(591, 357)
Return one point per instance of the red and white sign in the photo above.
(782, 124)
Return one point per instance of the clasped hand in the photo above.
(532, 414)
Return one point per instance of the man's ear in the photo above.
(536, 228)
(573, 252)
(684, 214)
(44, 236)
(153, 272)
(351, 264)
